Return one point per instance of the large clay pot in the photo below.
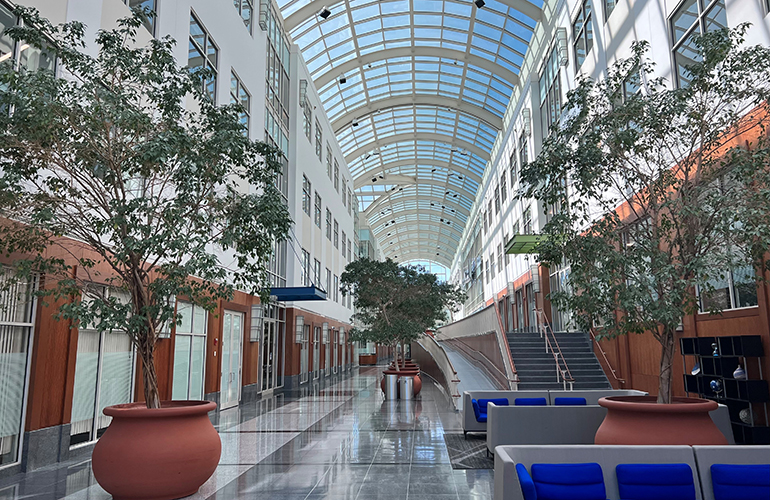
(637, 420)
(157, 454)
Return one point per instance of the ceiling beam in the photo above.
(375, 206)
(361, 112)
(421, 51)
(312, 8)
(419, 136)
(365, 178)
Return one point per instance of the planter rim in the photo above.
(649, 404)
(167, 409)
(401, 372)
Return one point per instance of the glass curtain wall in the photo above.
(17, 312)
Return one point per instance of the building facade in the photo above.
(55, 380)
(584, 38)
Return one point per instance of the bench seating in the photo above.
(480, 407)
(632, 472)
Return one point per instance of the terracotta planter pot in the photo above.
(640, 420)
(157, 454)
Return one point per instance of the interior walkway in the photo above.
(472, 377)
(342, 442)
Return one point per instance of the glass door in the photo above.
(304, 374)
(232, 338)
(17, 312)
(327, 353)
(531, 307)
(316, 352)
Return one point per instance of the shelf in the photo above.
(736, 346)
(745, 434)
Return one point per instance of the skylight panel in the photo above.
(367, 12)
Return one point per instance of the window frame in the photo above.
(585, 16)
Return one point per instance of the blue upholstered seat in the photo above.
(480, 407)
(655, 482)
(525, 480)
(740, 482)
(569, 401)
(566, 482)
(530, 402)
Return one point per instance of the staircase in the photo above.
(536, 368)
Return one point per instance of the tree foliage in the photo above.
(125, 186)
(395, 304)
(656, 194)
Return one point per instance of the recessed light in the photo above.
(324, 12)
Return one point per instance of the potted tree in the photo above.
(654, 195)
(108, 181)
(395, 304)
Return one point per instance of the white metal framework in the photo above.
(416, 91)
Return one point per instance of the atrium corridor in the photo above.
(342, 442)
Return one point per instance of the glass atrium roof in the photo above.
(427, 84)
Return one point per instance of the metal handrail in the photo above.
(561, 373)
(514, 375)
(606, 360)
(432, 347)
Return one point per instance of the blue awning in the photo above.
(297, 293)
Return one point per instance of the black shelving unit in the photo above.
(718, 357)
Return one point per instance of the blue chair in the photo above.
(740, 482)
(480, 407)
(530, 402)
(562, 482)
(569, 401)
(655, 482)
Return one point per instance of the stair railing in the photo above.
(620, 381)
(563, 374)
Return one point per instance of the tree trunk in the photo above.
(395, 356)
(666, 366)
(150, 379)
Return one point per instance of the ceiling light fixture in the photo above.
(480, 3)
(343, 80)
(324, 12)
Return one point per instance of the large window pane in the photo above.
(745, 287)
(684, 18)
(117, 363)
(180, 388)
(196, 367)
(13, 368)
(84, 392)
(7, 20)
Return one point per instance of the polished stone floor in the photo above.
(340, 442)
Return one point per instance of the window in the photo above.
(319, 139)
(344, 192)
(732, 290)
(492, 263)
(304, 276)
(490, 214)
(523, 150)
(550, 93)
(29, 58)
(512, 167)
(344, 240)
(305, 195)
(350, 251)
(203, 54)
(336, 288)
(316, 272)
(350, 202)
(500, 257)
(632, 85)
(503, 190)
(582, 30)
(246, 10)
(328, 282)
(17, 324)
(328, 225)
(486, 224)
(336, 175)
(506, 238)
(691, 18)
(609, 6)
(336, 239)
(239, 95)
(151, 5)
(497, 200)
(329, 161)
(528, 220)
(317, 210)
(307, 120)
(482, 271)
